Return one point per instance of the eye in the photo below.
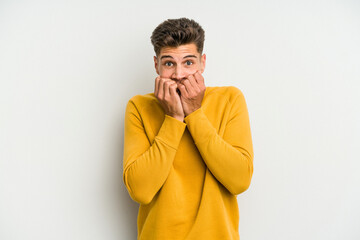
(188, 62)
(168, 64)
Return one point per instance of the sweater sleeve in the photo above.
(229, 158)
(146, 166)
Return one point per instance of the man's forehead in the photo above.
(185, 50)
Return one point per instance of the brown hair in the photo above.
(176, 32)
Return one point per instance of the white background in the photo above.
(68, 68)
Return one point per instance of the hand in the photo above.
(165, 92)
(192, 92)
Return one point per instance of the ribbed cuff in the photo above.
(171, 131)
(199, 126)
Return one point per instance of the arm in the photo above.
(145, 166)
(229, 158)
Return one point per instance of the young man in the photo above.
(187, 148)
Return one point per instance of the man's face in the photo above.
(177, 63)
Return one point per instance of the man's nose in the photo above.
(179, 73)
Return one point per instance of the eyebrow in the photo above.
(190, 56)
(187, 56)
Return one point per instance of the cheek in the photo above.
(191, 70)
(165, 73)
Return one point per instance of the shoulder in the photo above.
(145, 98)
(142, 101)
(231, 93)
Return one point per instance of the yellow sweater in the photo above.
(186, 175)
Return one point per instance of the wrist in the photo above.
(180, 118)
(191, 110)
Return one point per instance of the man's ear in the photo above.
(203, 63)
(156, 65)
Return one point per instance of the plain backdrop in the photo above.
(68, 68)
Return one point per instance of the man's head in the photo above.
(176, 32)
(178, 44)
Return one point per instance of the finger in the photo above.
(188, 87)
(166, 85)
(161, 88)
(156, 85)
(172, 90)
(193, 83)
(182, 90)
(199, 78)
